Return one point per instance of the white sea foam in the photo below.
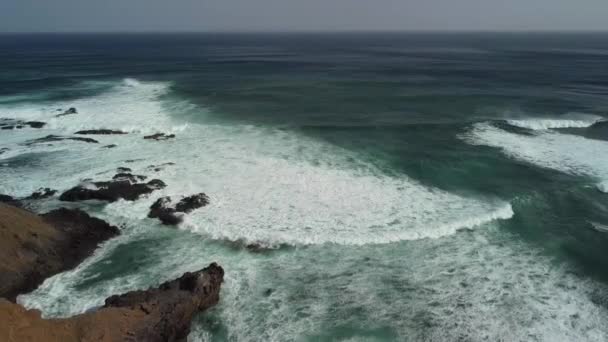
(564, 152)
(574, 120)
(279, 187)
(265, 185)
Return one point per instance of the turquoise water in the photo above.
(430, 187)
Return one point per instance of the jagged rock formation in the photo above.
(162, 314)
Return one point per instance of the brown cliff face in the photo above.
(159, 314)
(33, 248)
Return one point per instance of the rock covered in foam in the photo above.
(124, 186)
(158, 314)
(129, 176)
(7, 124)
(34, 247)
(159, 136)
(172, 214)
(42, 193)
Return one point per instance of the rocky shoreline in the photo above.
(34, 247)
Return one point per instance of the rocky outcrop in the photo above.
(70, 111)
(112, 191)
(130, 177)
(159, 136)
(54, 138)
(170, 214)
(100, 132)
(19, 124)
(155, 315)
(34, 247)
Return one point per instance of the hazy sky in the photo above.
(301, 15)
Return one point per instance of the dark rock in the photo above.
(130, 177)
(172, 215)
(170, 308)
(159, 136)
(100, 132)
(10, 200)
(6, 123)
(161, 209)
(42, 193)
(4, 149)
(157, 184)
(54, 138)
(123, 169)
(36, 124)
(190, 203)
(70, 111)
(111, 191)
(33, 247)
(110, 146)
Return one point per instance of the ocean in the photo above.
(363, 186)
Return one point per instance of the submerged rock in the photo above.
(70, 111)
(159, 136)
(34, 247)
(160, 167)
(55, 138)
(110, 146)
(162, 314)
(100, 132)
(42, 193)
(112, 191)
(172, 215)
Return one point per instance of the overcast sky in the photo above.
(301, 15)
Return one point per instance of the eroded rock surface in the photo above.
(34, 247)
(159, 314)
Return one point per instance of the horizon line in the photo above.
(309, 31)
